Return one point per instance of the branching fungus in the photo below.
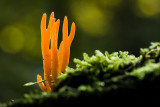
(54, 60)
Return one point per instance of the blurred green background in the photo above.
(106, 25)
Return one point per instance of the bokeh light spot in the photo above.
(91, 18)
(149, 7)
(11, 39)
(32, 47)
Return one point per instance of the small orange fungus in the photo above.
(54, 60)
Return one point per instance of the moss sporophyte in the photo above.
(54, 61)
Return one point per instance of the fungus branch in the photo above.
(55, 60)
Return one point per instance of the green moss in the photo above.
(104, 77)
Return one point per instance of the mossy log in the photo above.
(103, 79)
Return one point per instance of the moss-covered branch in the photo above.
(104, 77)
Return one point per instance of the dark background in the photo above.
(106, 25)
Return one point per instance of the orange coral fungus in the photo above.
(54, 60)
